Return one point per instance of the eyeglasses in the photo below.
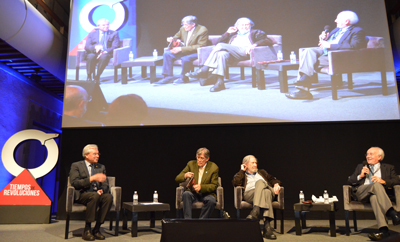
(96, 154)
(186, 24)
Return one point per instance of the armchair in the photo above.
(351, 205)
(120, 55)
(199, 205)
(279, 204)
(72, 207)
(370, 59)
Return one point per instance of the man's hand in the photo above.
(169, 39)
(378, 179)
(232, 30)
(277, 188)
(364, 172)
(100, 191)
(99, 177)
(324, 44)
(98, 48)
(243, 167)
(176, 50)
(323, 36)
(189, 174)
(248, 49)
(197, 187)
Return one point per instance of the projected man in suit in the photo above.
(193, 36)
(235, 45)
(346, 36)
(91, 189)
(99, 47)
(205, 175)
(371, 183)
(259, 189)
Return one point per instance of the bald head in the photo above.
(75, 100)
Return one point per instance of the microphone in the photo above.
(327, 28)
(365, 163)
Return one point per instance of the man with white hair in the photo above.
(260, 189)
(373, 182)
(233, 46)
(346, 36)
(91, 189)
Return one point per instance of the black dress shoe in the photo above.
(396, 219)
(268, 233)
(181, 80)
(200, 73)
(98, 235)
(208, 81)
(219, 86)
(300, 94)
(87, 235)
(378, 236)
(254, 214)
(166, 80)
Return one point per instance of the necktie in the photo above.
(103, 40)
(371, 173)
(335, 35)
(92, 172)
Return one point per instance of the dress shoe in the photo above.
(254, 214)
(396, 219)
(87, 235)
(219, 86)
(165, 80)
(181, 80)
(268, 232)
(200, 73)
(300, 94)
(305, 81)
(208, 81)
(98, 235)
(378, 236)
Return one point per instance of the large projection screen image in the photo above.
(116, 79)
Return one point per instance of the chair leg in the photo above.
(237, 213)
(116, 223)
(115, 74)
(282, 221)
(335, 81)
(111, 222)
(221, 213)
(355, 221)
(242, 73)
(67, 226)
(77, 73)
(346, 218)
(384, 83)
(350, 80)
(227, 73)
(274, 218)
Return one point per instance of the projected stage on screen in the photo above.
(258, 61)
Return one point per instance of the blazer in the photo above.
(80, 178)
(256, 36)
(240, 179)
(209, 181)
(93, 40)
(198, 39)
(353, 38)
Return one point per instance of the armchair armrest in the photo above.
(120, 55)
(238, 197)
(220, 196)
(346, 196)
(281, 198)
(262, 53)
(203, 53)
(178, 199)
(70, 198)
(397, 194)
(116, 193)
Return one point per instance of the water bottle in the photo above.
(155, 54)
(135, 198)
(131, 56)
(301, 196)
(279, 55)
(326, 197)
(155, 197)
(292, 58)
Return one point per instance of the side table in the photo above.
(142, 207)
(282, 68)
(301, 208)
(144, 62)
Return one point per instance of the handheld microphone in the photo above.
(365, 163)
(326, 30)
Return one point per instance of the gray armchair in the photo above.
(73, 207)
(354, 206)
(279, 204)
(199, 205)
(120, 55)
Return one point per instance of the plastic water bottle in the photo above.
(131, 56)
(155, 197)
(326, 197)
(279, 55)
(301, 196)
(292, 57)
(155, 54)
(135, 198)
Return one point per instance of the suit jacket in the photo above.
(256, 36)
(93, 40)
(240, 179)
(209, 181)
(198, 39)
(388, 174)
(80, 178)
(353, 38)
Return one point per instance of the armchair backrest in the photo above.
(375, 42)
(125, 42)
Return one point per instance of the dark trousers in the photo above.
(189, 198)
(94, 201)
(92, 62)
(169, 58)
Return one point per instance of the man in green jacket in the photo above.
(205, 182)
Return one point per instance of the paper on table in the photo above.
(151, 203)
(321, 199)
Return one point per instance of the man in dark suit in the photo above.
(259, 188)
(205, 175)
(99, 47)
(193, 36)
(371, 183)
(91, 189)
(234, 45)
(346, 36)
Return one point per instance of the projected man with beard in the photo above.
(233, 46)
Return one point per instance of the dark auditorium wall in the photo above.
(309, 156)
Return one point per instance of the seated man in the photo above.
(99, 47)
(345, 36)
(371, 183)
(205, 175)
(233, 46)
(193, 36)
(91, 189)
(259, 189)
